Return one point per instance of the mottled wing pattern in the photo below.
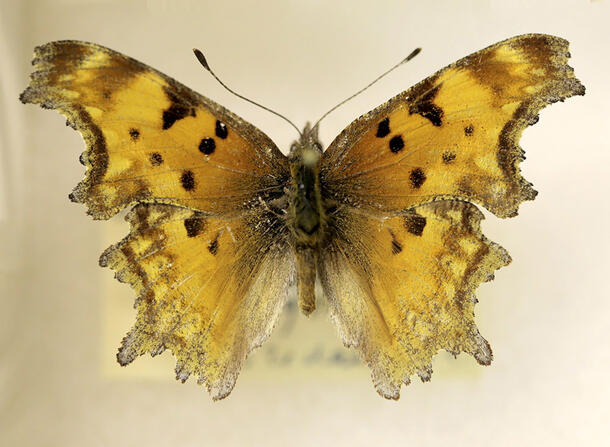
(455, 134)
(209, 262)
(405, 251)
(149, 138)
(208, 288)
(402, 288)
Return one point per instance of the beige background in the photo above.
(547, 315)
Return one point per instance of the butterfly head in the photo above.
(307, 149)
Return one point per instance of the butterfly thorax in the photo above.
(305, 204)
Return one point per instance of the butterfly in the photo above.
(222, 223)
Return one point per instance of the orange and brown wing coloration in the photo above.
(209, 262)
(400, 289)
(455, 134)
(149, 138)
(397, 180)
(208, 288)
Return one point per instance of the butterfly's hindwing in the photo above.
(402, 288)
(209, 289)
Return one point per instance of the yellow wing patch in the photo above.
(149, 138)
(402, 288)
(208, 289)
(455, 134)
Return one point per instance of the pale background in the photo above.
(547, 315)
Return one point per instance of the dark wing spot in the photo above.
(175, 113)
(468, 130)
(106, 94)
(134, 134)
(414, 223)
(426, 107)
(194, 226)
(432, 112)
(221, 130)
(156, 159)
(213, 246)
(396, 144)
(188, 180)
(448, 157)
(383, 128)
(417, 177)
(207, 146)
(396, 246)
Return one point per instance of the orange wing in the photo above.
(455, 134)
(209, 289)
(401, 288)
(207, 257)
(149, 138)
(405, 251)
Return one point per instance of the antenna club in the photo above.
(201, 58)
(414, 53)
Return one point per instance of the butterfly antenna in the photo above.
(202, 60)
(414, 53)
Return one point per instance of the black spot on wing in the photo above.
(383, 128)
(396, 246)
(417, 177)
(221, 130)
(213, 246)
(414, 223)
(188, 180)
(448, 157)
(207, 146)
(134, 134)
(469, 130)
(396, 144)
(194, 226)
(156, 159)
(176, 111)
(426, 107)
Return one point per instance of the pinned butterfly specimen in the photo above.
(222, 222)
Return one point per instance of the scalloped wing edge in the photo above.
(95, 156)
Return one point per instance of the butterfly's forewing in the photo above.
(399, 177)
(149, 138)
(455, 134)
(209, 262)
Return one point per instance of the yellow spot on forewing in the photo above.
(70, 94)
(94, 112)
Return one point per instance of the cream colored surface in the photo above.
(547, 315)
